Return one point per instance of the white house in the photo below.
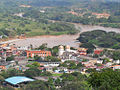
(61, 69)
(116, 61)
(100, 61)
(22, 48)
(50, 64)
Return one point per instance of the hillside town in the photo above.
(59, 44)
(66, 59)
(19, 57)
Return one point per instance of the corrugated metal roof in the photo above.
(18, 79)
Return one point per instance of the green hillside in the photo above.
(36, 19)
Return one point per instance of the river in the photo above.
(61, 39)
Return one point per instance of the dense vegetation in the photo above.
(106, 79)
(83, 12)
(34, 22)
(11, 26)
(101, 38)
(71, 65)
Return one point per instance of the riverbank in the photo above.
(50, 40)
(54, 40)
(85, 28)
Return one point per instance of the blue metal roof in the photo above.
(18, 79)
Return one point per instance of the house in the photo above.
(87, 64)
(3, 45)
(19, 14)
(73, 70)
(61, 70)
(67, 49)
(100, 61)
(18, 58)
(115, 67)
(50, 64)
(116, 61)
(49, 69)
(100, 67)
(23, 48)
(7, 65)
(82, 51)
(2, 67)
(9, 50)
(68, 56)
(22, 36)
(98, 52)
(73, 13)
(101, 15)
(25, 6)
(2, 53)
(32, 53)
(108, 64)
(42, 78)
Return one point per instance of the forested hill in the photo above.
(56, 2)
(101, 38)
(32, 16)
(94, 5)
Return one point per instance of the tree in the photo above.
(90, 70)
(43, 46)
(76, 86)
(36, 64)
(68, 77)
(6, 88)
(32, 72)
(106, 60)
(107, 79)
(90, 47)
(10, 73)
(72, 65)
(99, 38)
(52, 59)
(51, 84)
(95, 56)
(85, 60)
(37, 58)
(58, 81)
(79, 65)
(31, 46)
(79, 76)
(36, 85)
(10, 58)
(55, 50)
(116, 55)
(1, 78)
(63, 65)
(74, 81)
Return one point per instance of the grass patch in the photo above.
(57, 74)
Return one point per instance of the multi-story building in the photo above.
(82, 51)
(32, 53)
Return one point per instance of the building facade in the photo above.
(82, 51)
(38, 53)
